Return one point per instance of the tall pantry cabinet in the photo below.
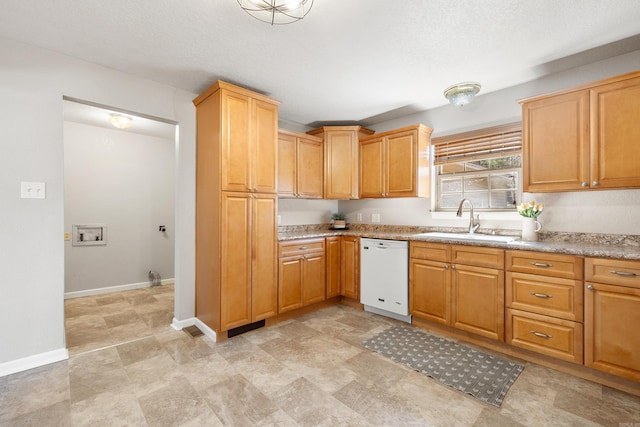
(236, 207)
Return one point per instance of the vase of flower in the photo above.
(530, 225)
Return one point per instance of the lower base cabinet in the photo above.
(350, 267)
(301, 274)
(459, 286)
(612, 316)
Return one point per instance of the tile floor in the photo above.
(310, 371)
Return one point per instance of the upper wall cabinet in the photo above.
(395, 163)
(248, 156)
(584, 138)
(341, 159)
(300, 165)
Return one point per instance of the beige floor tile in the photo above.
(174, 404)
(58, 415)
(151, 374)
(139, 350)
(33, 390)
(112, 408)
(601, 411)
(121, 318)
(237, 402)
(206, 372)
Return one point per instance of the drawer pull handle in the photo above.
(624, 273)
(539, 264)
(541, 335)
(302, 248)
(545, 296)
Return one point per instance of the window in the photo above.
(483, 166)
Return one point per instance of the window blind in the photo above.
(498, 141)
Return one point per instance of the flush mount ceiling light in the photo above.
(277, 12)
(121, 122)
(462, 93)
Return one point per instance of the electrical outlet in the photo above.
(375, 217)
(359, 217)
(32, 190)
(279, 220)
(67, 236)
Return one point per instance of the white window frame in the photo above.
(457, 148)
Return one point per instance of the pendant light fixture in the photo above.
(277, 12)
(462, 93)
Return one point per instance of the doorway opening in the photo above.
(119, 214)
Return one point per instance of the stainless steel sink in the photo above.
(469, 236)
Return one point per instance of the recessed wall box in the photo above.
(89, 235)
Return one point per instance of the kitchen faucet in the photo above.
(474, 222)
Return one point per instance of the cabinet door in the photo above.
(615, 132)
(313, 278)
(555, 143)
(478, 300)
(264, 147)
(350, 268)
(372, 168)
(310, 165)
(235, 265)
(430, 290)
(286, 165)
(341, 164)
(333, 266)
(235, 144)
(264, 286)
(400, 164)
(290, 283)
(611, 340)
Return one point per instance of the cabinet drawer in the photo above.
(558, 338)
(298, 247)
(478, 256)
(431, 251)
(612, 271)
(557, 265)
(551, 296)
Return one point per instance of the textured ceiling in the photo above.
(348, 60)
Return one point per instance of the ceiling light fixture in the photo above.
(462, 93)
(121, 122)
(277, 12)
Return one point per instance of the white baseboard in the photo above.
(30, 362)
(107, 290)
(181, 324)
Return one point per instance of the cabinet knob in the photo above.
(453, 267)
(595, 183)
(584, 184)
(446, 267)
(590, 287)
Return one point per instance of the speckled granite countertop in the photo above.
(581, 244)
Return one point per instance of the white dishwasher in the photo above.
(384, 277)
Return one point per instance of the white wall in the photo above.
(126, 181)
(33, 82)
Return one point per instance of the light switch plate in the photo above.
(32, 190)
(375, 217)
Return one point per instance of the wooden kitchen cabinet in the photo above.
(459, 286)
(301, 273)
(341, 153)
(300, 165)
(395, 163)
(612, 313)
(350, 267)
(478, 300)
(544, 301)
(333, 266)
(583, 138)
(430, 282)
(236, 206)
